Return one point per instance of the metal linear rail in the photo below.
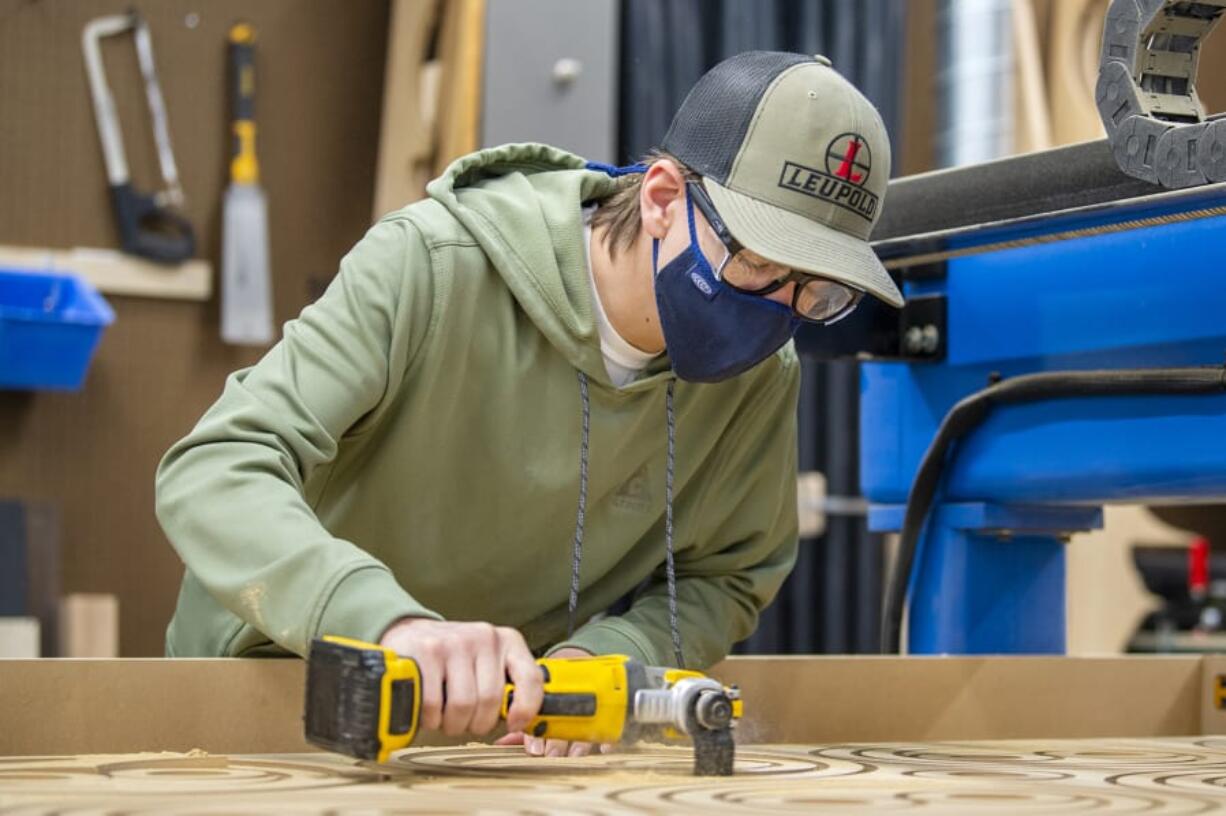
(1070, 192)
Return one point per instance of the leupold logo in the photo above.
(849, 158)
(849, 162)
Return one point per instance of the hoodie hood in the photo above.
(523, 205)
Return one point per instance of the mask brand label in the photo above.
(700, 283)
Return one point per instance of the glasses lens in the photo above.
(748, 271)
(825, 300)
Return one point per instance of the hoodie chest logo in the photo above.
(635, 493)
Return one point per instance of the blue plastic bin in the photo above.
(50, 324)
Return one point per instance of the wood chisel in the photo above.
(246, 288)
(364, 701)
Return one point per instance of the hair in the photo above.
(620, 215)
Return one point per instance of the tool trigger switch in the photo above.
(540, 729)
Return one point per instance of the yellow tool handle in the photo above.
(244, 168)
(364, 700)
(587, 699)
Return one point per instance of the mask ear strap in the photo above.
(689, 211)
(700, 257)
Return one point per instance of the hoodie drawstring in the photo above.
(673, 626)
(580, 518)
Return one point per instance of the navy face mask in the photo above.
(711, 331)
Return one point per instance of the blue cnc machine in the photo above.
(1063, 346)
(1136, 284)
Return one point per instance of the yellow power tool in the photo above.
(364, 700)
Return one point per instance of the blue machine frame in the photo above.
(989, 571)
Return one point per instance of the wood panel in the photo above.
(254, 706)
(1211, 78)
(407, 138)
(920, 97)
(320, 66)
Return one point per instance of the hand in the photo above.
(472, 662)
(538, 746)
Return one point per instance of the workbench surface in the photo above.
(1156, 776)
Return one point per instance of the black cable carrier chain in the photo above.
(1147, 96)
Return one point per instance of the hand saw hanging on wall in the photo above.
(150, 225)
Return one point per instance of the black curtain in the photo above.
(831, 603)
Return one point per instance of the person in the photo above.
(549, 385)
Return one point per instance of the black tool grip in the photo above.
(344, 692)
(559, 704)
(242, 72)
(149, 230)
(568, 705)
(402, 719)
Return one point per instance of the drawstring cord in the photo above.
(673, 626)
(576, 555)
(581, 517)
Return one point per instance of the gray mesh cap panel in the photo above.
(707, 132)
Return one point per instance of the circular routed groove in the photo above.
(177, 775)
(1109, 758)
(992, 800)
(890, 797)
(501, 762)
(988, 775)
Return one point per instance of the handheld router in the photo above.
(364, 700)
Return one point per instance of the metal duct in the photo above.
(975, 91)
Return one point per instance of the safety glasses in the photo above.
(815, 299)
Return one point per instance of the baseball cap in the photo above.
(796, 161)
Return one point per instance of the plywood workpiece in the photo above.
(1154, 776)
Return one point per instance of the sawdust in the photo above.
(748, 732)
(644, 745)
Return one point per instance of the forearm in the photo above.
(248, 536)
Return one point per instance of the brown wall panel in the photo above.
(919, 101)
(320, 66)
(1212, 74)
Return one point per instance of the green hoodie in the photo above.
(412, 447)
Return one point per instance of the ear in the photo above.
(663, 186)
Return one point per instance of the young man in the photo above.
(511, 409)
